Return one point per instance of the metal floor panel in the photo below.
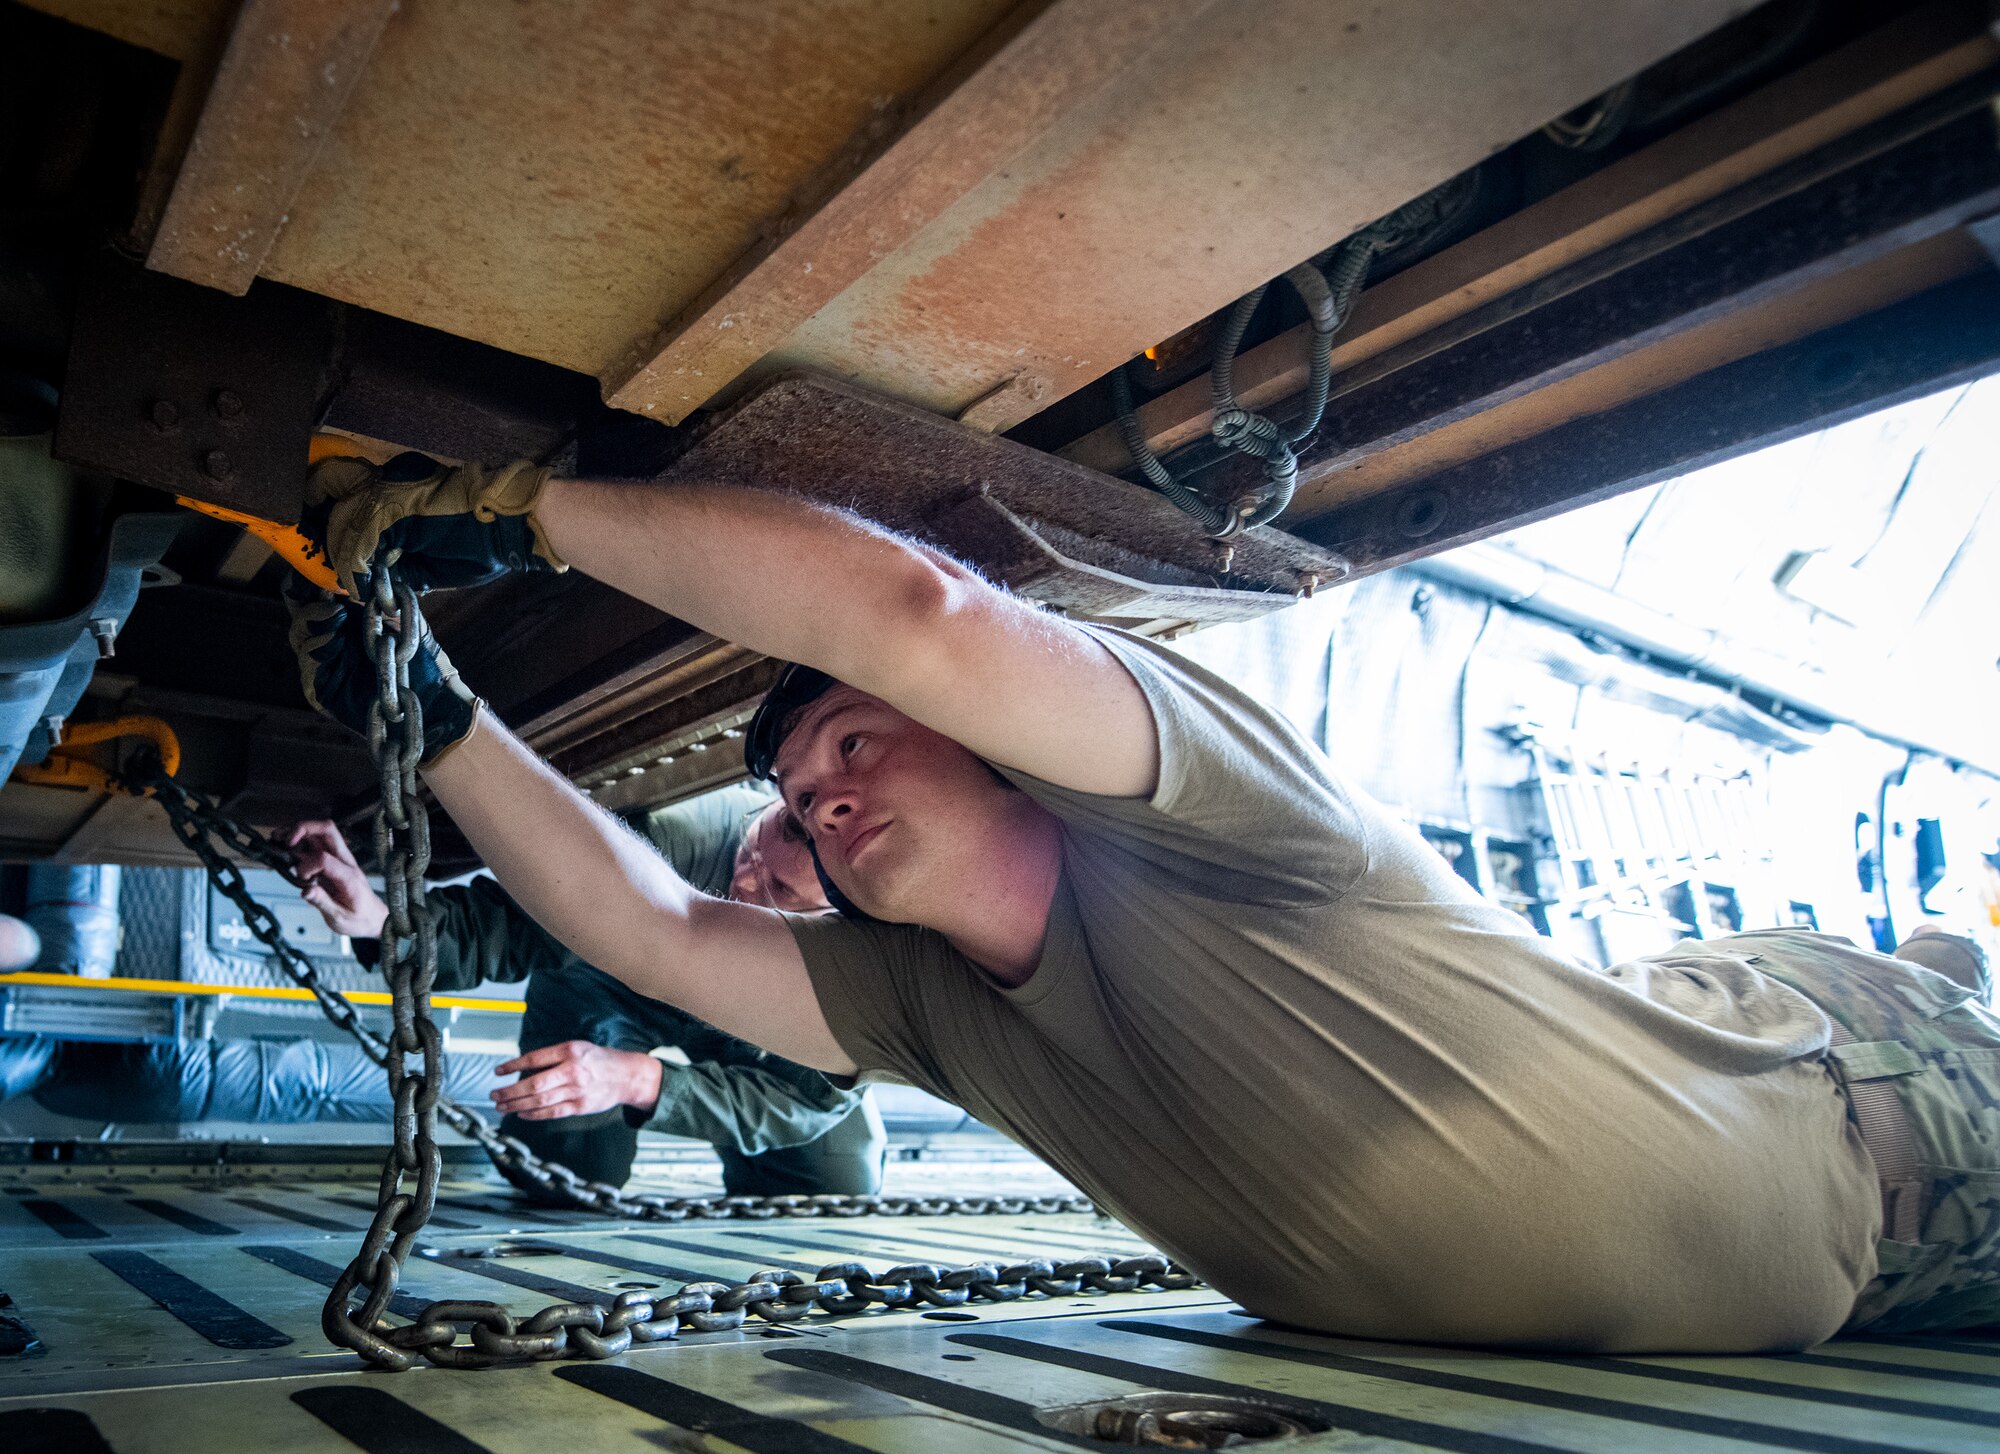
(179, 1314)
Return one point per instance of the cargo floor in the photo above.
(165, 1309)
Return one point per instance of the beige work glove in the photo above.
(449, 525)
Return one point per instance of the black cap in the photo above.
(796, 685)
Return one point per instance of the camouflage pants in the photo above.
(1950, 1276)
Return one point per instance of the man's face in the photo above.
(774, 865)
(905, 819)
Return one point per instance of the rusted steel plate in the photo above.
(562, 178)
(1057, 61)
(1253, 137)
(191, 391)
(289, 68)
(1051, 529)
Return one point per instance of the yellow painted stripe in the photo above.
(251, 991)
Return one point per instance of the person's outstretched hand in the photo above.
(577, 1078)
(451, 525)
(335, 884)
(330, 636)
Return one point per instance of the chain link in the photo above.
(413, 1056)
(840, 1289)
(198, 823)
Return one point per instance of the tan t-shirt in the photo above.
(1275, 1034)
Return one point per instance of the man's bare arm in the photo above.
(806, 583)
(620, 906)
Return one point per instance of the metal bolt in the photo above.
(227, 404)
(53, 726)
(217, 465)
(105, 629)
(165, 414)
(1307, 586)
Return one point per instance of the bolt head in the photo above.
(165, 415)
(226, 404)
(217, 465)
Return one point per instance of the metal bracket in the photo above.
(195, 392)
(216, 398)
(1039, 524)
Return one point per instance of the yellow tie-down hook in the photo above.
(288, 540)
(69, 765)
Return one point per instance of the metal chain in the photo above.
(409, 963)
(198, 822)
(841, 1289)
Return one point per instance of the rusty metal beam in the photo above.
(977, 118)
(697, 710)
(1289, 123)
(1873, 77)
(1892, 187)
(189, 390)
(285, 76)
(1733, 334)
(605, 684)
(1947, 336)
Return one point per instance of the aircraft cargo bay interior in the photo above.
(898, 725)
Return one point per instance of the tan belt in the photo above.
(1867, 1072)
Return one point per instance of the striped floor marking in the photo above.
(378, 1422)
(215, 1318)
(700, 1413)
(50, 1431)
(727, 1254)
(632, 1264)
(1738, 1383)
(64, 1222)
(1898, 1370)
(181, 1217)
(939, 1393)
(555, 1287)
(1340, 1416)
(293, 1214)
(1623, 1410)
(403, 1302)
(359, 1204)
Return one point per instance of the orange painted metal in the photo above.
(69, 764)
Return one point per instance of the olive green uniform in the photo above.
(779, 1128)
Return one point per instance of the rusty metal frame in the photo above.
(1889, 188)
(192, 391)
(1947, 336)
